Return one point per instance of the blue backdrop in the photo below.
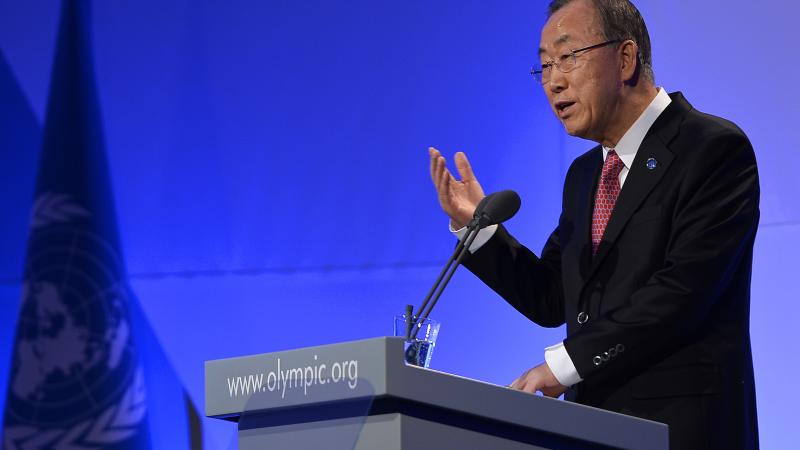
(270, 167)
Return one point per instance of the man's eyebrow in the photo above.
(561, 39)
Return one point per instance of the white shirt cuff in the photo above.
(561, 365)
(483, 236)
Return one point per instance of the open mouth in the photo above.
(563, 108)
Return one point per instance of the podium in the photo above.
(362, 395)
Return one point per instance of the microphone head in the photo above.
(498, 207)
(482, 205)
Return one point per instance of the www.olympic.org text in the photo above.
(294, 378)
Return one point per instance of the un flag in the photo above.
(84, 353)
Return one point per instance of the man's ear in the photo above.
(630, 64)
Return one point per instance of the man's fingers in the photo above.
(438, 169)
(434, 157)
(521, 381)
(464, 168)
(439, 165)
(443, 178)
(524, 384)
(434, 165)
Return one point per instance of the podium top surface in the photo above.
(374, 368)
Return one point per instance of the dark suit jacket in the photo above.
(668, 293)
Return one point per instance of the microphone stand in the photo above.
(447, 272)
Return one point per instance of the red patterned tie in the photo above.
(606, 197)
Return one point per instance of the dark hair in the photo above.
(620, 20)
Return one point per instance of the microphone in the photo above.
(497, 208)
(491, 210)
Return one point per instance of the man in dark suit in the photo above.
(650, 263)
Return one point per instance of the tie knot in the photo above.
(613, 165)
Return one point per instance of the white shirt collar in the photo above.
(629, 144)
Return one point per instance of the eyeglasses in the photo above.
(565, 63)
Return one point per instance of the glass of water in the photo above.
(419, 346)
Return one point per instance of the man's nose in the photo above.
(558, 81)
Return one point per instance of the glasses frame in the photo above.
(538, 73)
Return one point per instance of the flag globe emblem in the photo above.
(74, 367)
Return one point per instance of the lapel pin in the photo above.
(652, 163)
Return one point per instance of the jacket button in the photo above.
(620, 348)
(583, 317)
(597, 360)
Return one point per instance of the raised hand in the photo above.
(458, 198)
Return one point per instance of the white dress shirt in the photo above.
(556, 356)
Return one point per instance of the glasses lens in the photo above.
(567, 62)
(541, 74)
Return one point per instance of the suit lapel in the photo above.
(641, 179)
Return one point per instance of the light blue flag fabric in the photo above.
(87, 370)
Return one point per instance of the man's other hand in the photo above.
(457, 198)
(540, 379)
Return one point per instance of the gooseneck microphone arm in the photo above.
(461, 251)
(472, 231)
(472, 228)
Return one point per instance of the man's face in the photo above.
(586, 98)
